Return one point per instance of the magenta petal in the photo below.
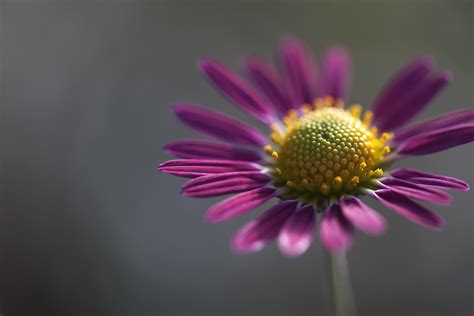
(362, 216)
(413, 103)
(431, 179)
(440, 122)
(297, 234)
(335, 230)
(202, 149)
(299, 68)
(405, 80)
(192, 168)
(269, 81)
(237, 90)
(409, 209)
(418, 191)
(239, 204)
(218, 125)
(225, 183)
(438, 140)
(264, 229)
(336, 73)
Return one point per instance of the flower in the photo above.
(320, 157)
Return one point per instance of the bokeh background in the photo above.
(88, 227)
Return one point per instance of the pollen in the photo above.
(326, 151)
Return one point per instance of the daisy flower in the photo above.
(319, 157)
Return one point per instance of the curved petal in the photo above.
(270, 82)
(413, 103)
(409, 209)
(202, 149)
(362, 216)
(440, 122)
(335, 230)
(438, 140)
(431, 179)
(404, 80)
(225, 183)
(259, 232)
(417, 191)
(299, 68)
(192, 168)
(239, 204)
(336, 73)
(237, 90)
(297, 234)
(218, 125)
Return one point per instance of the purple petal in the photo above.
(405, 80)
(431, 179)
(265, 228)
(300, 71)
(336, 73)
(237, 90)
(270, 82)
(239, 204)
(438, 140)
(192, 168)
(218, 125)
(417, 191)
(443, 121)
(411, 104)
(409, 209)
(225, 183)
(335, 230)
(297, 234)
(362, 216)
(202, 149)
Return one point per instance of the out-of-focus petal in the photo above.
(413, 103)
(264, 229)
(300, 73)
(225, 183)
(192, 168)
(418, 191)
(404, 80)
(409, 209)
(437, 140)
(362, 216)
(336, 73)
(297, 234)
(218, 125)
(237, 90)
(440, 122)
(239, 204)
(203, 149)
(431, 179)
(270, 82)
(335, 230)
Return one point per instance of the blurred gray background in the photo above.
(88, 227)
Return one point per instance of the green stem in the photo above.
(344, 303)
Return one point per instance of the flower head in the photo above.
(319, 157)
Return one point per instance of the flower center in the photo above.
(326, 152)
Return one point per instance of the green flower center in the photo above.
(326, 152)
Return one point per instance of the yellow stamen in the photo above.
(324, 188)
(268, 149)
(355, 180)
(355, 110)
(368, 116)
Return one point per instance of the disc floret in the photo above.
(325, 151)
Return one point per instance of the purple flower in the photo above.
(318, 157)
